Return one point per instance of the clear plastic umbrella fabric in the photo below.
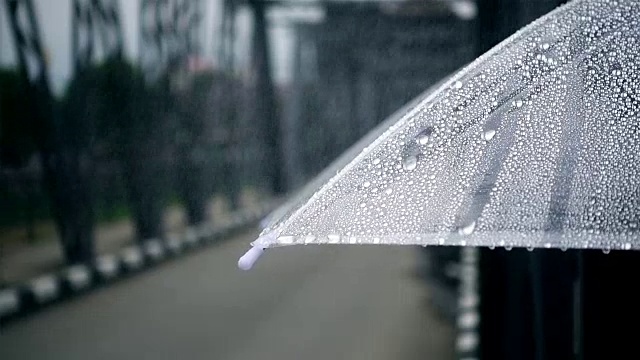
(534, 144)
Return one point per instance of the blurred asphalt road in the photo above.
(313, 302)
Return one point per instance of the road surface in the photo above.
(312, 302)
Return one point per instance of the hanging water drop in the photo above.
(606, 250)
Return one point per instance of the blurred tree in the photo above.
(113, 112)
(63, 168)
(132, 121)
(193, 109)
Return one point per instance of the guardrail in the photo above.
(76, 280)
(468, 317)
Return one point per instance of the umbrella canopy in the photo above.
(534, 144)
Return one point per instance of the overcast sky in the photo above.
(54, 18)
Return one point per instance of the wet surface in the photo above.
(313, 302)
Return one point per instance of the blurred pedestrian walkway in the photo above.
(305, 302)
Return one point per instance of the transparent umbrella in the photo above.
(534, 144)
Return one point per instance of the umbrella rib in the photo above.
(563, 176)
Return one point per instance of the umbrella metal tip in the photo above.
(250, 257)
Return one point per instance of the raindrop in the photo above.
(366, 184)
(492, 247)
(508, 247)
(333, 239)
(518, 103)
(410, 162)
(424, 135)
(606, 250)
(457, 85)
(376, 161)
(388, 191)
(467, 230)
(286, 239)
(627, 246)
(529, 248)
(488, 134)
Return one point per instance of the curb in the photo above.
(468, 318)
(75, 280)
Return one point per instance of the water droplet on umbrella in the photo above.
(467, 230)
(457, 85)
(424, 135)
(287, 240)
(376, 161)
(488, 135)
(410, 162)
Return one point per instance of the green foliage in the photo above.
(110, 106)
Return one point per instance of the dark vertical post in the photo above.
(292, 119)
(265, 101)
